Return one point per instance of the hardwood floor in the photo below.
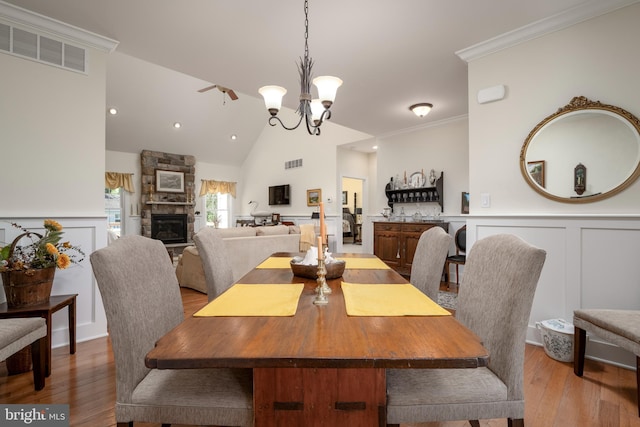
(555, 397)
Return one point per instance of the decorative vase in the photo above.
(28, 287)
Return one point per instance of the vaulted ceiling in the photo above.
(390, 54)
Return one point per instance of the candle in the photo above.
(320, 254)
(323, 229)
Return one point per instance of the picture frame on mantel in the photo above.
(314, 197)
(169, 181)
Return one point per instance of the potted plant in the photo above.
(28, 270)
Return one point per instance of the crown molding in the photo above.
(44, 24)
(422, 127)
(544, 26)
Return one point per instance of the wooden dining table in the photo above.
(319, 367)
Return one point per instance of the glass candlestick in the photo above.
(321, 297)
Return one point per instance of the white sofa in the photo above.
(246, 247)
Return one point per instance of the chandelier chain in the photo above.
(306, 29)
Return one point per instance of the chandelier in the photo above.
(313, 111)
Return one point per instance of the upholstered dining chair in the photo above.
(460, 257)
(428, 260)
(17, 333)
(494, 301)
(620, 327)
(142, 302)
(217, 267)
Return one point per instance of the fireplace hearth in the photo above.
(169, 228)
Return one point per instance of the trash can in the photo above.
(557, 337)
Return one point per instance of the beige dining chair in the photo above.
(620, 327)
(142, 302)
(16, 334)
(215, 262)
(428, 261)
(494, 301)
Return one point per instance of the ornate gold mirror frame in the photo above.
(603, 139)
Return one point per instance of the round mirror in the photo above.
(584, 152)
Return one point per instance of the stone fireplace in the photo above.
(171, 211)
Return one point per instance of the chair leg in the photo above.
(38, 355)
(580, 344)
(638, 381)
(474, 423)
(516, 423)
(457, 275)
(446, 271)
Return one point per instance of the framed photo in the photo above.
(344, 197)
(536, 171)
(170, 182)
(465, 203)
(314, 197)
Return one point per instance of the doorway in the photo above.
(352, 205)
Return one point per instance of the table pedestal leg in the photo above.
(319, 397)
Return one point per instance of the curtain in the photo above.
(213, 187)
(115, 180)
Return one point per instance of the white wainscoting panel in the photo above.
(90, 234)
(592, 262)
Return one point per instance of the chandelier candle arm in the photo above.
(313, 111)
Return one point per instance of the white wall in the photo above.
(53, 133)
(586, 244)
(265, 166)
(52, 156)
(595, 59)
(442, 147)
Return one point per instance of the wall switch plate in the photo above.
(485, 200)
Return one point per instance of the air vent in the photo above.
(290, 164)
(27, 44)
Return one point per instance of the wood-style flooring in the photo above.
(555, 397)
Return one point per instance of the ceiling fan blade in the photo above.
(228, 91)
(204, 89)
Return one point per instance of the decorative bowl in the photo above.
(334, 270)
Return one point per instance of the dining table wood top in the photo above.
(319, 336)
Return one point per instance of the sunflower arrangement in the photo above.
(45, 250)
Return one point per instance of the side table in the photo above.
(45, 310)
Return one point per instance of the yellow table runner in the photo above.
(255, 300)
(388, 300)
(365, 263)
(276, 262)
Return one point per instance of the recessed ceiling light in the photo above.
(177, 125)
(234, 137)
(375, 147)
(113, 111)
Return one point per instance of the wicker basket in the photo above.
(27, 287)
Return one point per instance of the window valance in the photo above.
(115, 180)
(222, 187)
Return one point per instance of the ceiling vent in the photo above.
(30, 45)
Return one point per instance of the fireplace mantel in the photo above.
(172, 203)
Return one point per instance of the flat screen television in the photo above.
(279, 195)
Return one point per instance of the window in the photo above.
(113, 209)
(218, 209)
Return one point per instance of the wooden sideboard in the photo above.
(395, 242)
